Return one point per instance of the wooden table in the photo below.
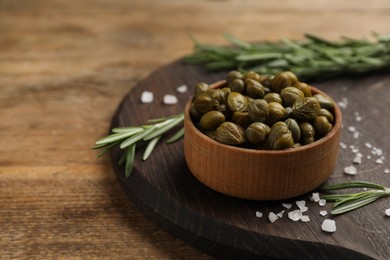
(65, 66)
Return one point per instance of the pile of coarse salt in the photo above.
(296, 214)
(168, 99)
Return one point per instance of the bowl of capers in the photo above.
(261, 137)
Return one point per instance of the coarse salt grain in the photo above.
(343, 145)
(343, 103)
(358, 158)
(387, 170)
(368, 145)
(272, 217)
(170, 99)
(305, 218)
(387, 212)
(328, 225)
(322, 202)
(356, 135)
(323, 213)
(280, 214)
(147, 97)
(351, 128)
(259, 214)
(301, 205)
(379, 161)
(295, 215)
(350, 170)
(182, 89)
(287, 205)
(315, 197)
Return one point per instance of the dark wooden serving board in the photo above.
(164, 189)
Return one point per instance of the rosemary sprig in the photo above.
(127, 139)
(347, 202)
(313, 58)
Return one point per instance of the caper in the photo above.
(280, 136)
(307, 132)
(211, 120)
(325, 102)
(273, 97)
(218, 95)
(200, 88)
(276, 112)
(203, 103)
(267, 81)
(326, 113)
(293, 126)
(254, 89)
(230, 133)
(241, 118)
(306, 108)
(322, 126)
(237, 102)
(258, 110)
(257, 133)
(283, 80)
(237, 85)
(232, 75)
(195, 115)
(253, 75)
(290, 94)
(306, 89)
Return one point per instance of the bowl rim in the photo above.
(336, 128)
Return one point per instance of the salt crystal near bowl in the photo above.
(260, 174)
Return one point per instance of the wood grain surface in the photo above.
(64, 68)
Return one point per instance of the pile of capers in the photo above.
(262, 111)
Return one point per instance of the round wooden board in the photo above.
(164, 189)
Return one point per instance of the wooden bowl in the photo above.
(260, 174)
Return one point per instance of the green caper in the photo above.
(267, 81)
(326, 113)
(293, 126)
(325, 102)
(257, 133)
(200, 88)
(241, 118)
(283, 80)
(258, 110)
(237, 102)
(273, 97)
(211, 120)
(276, 112)
(195, 115)
(230, 133)
(254, 89)
(306, 89)
(280, 136)
(232, 75)
(237, 85)
(203, 103)
(218, 95)
(306, 108)
(307, 132)
(322, 126)
(290, 94)
(253, 75)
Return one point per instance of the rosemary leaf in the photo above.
(353, 205)
(117, 136)
(126, 129)
(164, 128)
(137, 137)
(178, 135)
(130, 160)
(352, 184)
(150, 147)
